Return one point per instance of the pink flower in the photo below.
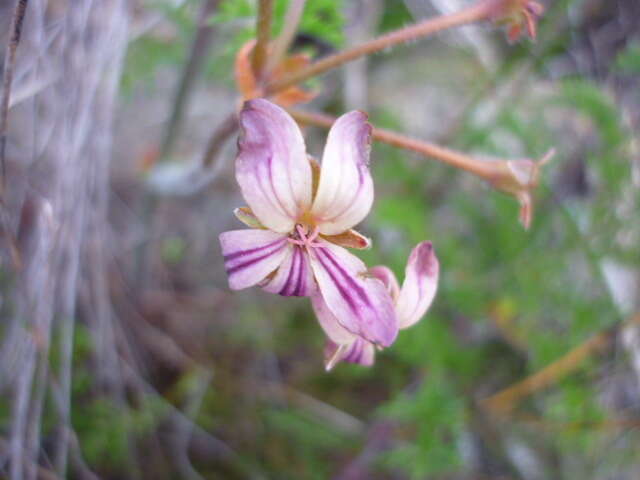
(411, 303)
(301, 214)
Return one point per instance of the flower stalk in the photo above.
(517, 177)
(479, 11)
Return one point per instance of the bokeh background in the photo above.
(123, 354)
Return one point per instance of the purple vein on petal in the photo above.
(293, 271)
(240, 253)
(344, 290)
(275, 246)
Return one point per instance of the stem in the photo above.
(263, 32)
(476, 12)
(282, 43)
(505, 400)
(218, 139)
(444, 155)
(199, 49)
(9, 62)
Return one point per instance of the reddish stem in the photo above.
(476, 12)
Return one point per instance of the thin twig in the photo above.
(198, 52)
(263, 32)
(218, 138)
(506, 400)
(283, 42)
(474, 13)
(7, 77)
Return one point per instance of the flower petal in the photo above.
(419, 286)
(329, 323)
(251, 255)
(345, 192)
(272, 167)
(294, 278)
(386, 276)
(360, 351)
(360, 303)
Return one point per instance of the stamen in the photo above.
(305, 239)
(301, 232)
(314, 234)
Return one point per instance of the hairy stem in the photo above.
(444, 155)
(476, 12)
(199, 49)
(9, 61)
(263, 32)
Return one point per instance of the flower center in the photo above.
(304, 236)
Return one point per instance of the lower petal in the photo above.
(251, 255)
(359, 351)
(360, 303)
(329, 323)
(294, 278)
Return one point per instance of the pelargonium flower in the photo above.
(411, 303)
(302, 215)
(518, 15)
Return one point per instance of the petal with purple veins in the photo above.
(251, 255)
(329, 323)
(359, 351)
(294, 278)
(345, 191)
(419, 286)
(272, 167)
(360, 303)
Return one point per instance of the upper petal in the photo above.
(360, 303)
(419, 286)
(272, 167)
(345, 191)
(294, 278)
(251, 255)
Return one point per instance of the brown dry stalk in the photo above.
(607, 425)
(474, 13)
(506, 400)
(198, 53)
(431, 150)
(263, 32)
(7, 77)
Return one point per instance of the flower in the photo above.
(411, 303)
(519, 178)
(301, 216)
(518, 14)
